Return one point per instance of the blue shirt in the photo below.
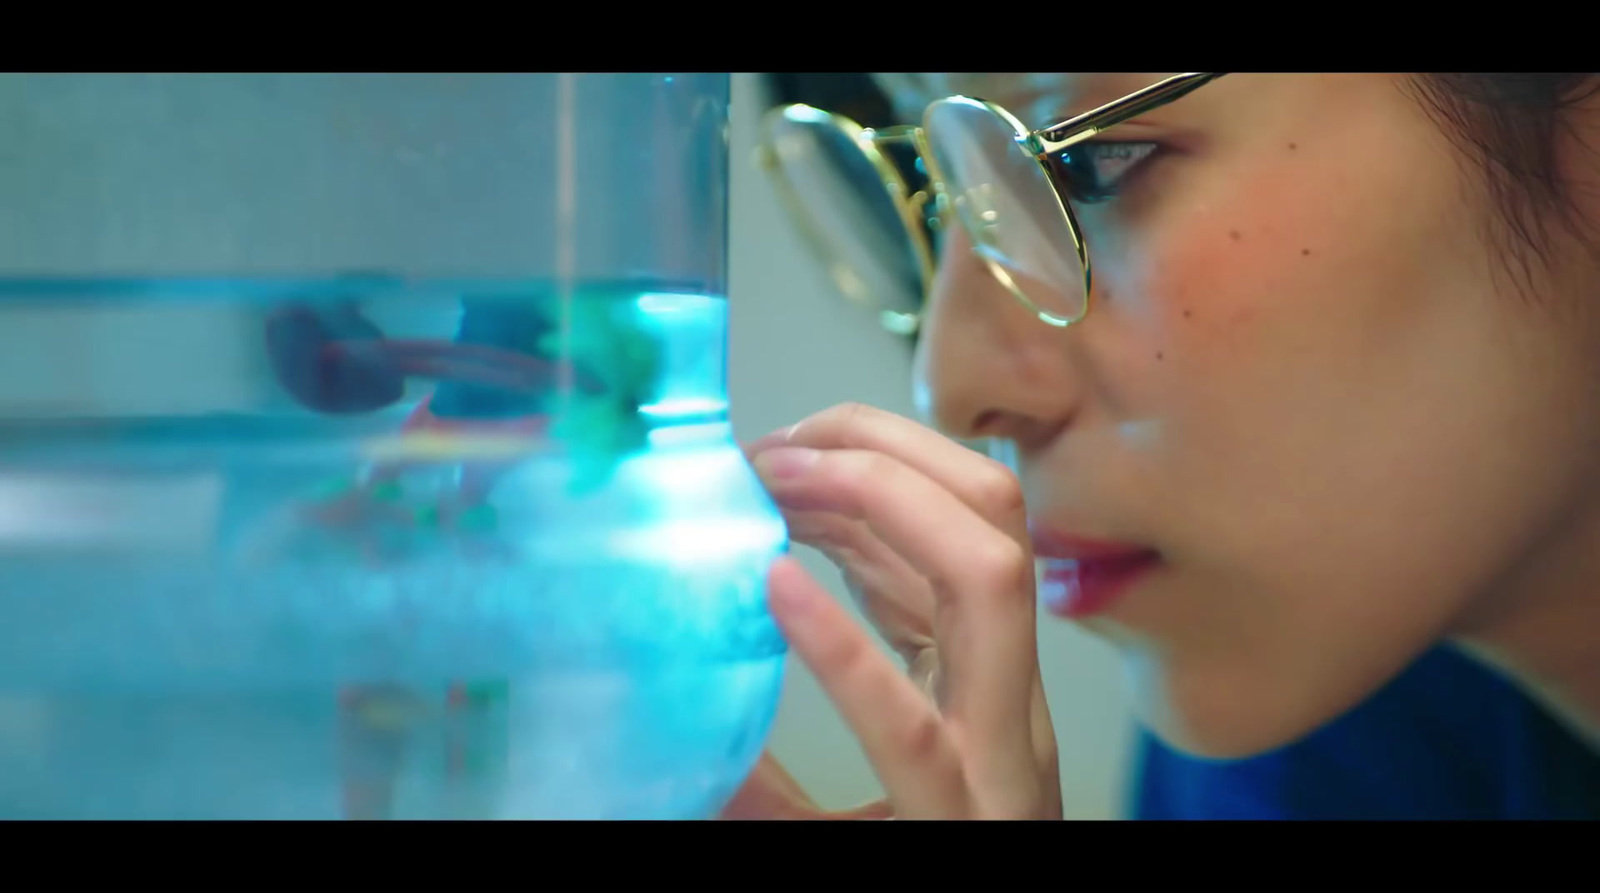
(1448, 739)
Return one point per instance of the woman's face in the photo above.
(1305, 382)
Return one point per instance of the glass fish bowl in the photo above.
(364, 451)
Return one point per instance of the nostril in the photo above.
(985, 424)
(304, 347)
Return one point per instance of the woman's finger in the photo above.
(982, 580)
(984, 485)
(889, 590)
(902, 733)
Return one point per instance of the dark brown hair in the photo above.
(1513, 127)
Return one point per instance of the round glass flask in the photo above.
(364, 450)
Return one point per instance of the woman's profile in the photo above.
(1297, 384)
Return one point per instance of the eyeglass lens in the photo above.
(1006, 203)
(849, 207)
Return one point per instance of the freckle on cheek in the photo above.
(1293, 146)
(1234, 235)
(1160, 355)
(1305, 252)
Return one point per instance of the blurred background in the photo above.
(795, 348)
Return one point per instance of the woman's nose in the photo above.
(986, 366)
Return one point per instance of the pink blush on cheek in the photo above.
(1194, 292)
(1218, 273)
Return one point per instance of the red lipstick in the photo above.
(1085, 577)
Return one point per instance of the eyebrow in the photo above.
(1081, 93)
(1040, 99)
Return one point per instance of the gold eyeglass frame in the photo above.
(910, 206)
(1046, 145)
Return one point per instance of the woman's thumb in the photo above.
(771, 793)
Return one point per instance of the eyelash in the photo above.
(1083, 182)
(1081, 166)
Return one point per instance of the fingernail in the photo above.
(787, 595)
(768, 441)
(786, 463)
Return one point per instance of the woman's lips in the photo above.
(1084, 577)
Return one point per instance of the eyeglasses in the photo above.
(872, 204)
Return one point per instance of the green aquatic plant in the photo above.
(605, 340)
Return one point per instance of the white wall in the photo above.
(795, 350)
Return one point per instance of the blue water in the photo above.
(228, 593)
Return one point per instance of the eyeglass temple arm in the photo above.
(1076, 129)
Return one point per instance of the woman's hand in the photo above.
(932, 539)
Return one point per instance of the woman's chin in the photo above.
(1212, 721)
(1211, 744)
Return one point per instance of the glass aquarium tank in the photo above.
(364, 450)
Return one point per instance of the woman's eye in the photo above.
(1095, 171)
